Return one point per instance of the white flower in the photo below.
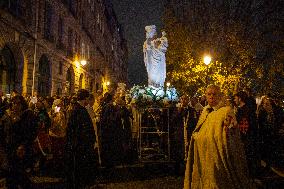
(149, 98)
(142, 91)
(144, 96)
(158, 98)
(166, 100)
(172, 94)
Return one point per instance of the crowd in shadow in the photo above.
(75, 136)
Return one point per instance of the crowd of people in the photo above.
(76, 134)
(82, 132)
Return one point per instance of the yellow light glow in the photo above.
(77, 63)
(83, 62)
(207, 60)
(107, 83)
(25, 75)
(168, 84)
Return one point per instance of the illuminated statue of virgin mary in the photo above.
(154, 56)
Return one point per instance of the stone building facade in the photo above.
(59, 46)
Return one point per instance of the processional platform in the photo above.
(153, 140)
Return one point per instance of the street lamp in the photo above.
(83, 62)
(168, 84)
(207, 61)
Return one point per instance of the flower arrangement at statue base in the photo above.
(152, 97)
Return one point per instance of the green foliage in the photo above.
(245, 52)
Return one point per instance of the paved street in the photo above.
(168, 182)
(150, 176)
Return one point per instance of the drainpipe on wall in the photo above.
(35, 46)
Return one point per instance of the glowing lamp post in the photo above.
(207, 61)
(83, 62)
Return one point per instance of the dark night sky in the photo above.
(134, 15)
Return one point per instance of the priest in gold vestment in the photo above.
(216, 158)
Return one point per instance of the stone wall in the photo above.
(24, 32)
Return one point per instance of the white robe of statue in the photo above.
(154, 57)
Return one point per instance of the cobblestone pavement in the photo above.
(168, 182)
(152, 177)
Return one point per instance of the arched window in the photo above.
(7, 70)
(59, 92)
(44, 76)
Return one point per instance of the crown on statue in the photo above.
(150, 31)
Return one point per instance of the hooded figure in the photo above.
(81, 138)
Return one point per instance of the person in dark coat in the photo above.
(183, 124)
(125, 127)
(112, 134)
(270, 120)
(5, 124)
(21, 136)
(246, 118)
(81, 138)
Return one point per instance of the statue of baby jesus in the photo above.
(161, 42)
(154, 56)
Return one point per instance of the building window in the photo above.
(14, 6)
(44, 77)
(70, 42)
(65, 2)
(48, 21)
(93, 6)
(60, 68)
(7, 70)
(59, 91)
(83, 50)
(88, 52)
(76, 42)
(60, 30)
(84, 20)
(73, 7)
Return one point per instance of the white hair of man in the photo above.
(213, 95)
